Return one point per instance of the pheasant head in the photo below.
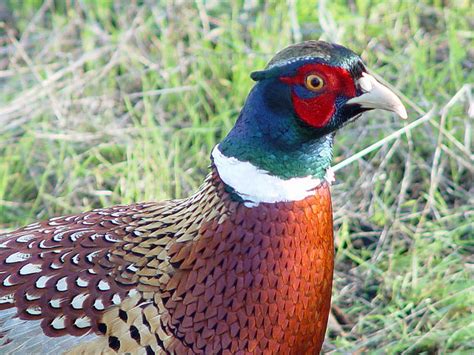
(286, 128)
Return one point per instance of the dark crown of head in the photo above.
(325, 52)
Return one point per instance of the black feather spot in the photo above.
(160, 343)
(165, 299)
(123, 315)
(102, 328)
(135, 334)
(145, 321)
(176, 264)
(149, 350)
(114, 343)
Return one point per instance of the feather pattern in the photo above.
(242, 266)
(202, 274)
(62, 271)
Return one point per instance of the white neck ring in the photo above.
(255, 185)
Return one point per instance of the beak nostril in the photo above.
(377, 96)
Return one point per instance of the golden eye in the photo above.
(314, 82)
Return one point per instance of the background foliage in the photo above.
(105, 103)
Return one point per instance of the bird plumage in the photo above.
(244, 265)
(204, 273)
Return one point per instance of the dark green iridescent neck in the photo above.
(311, 160)
(269, 136)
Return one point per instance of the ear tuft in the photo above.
(266, 73)
(258, 75)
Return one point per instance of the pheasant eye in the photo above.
(314, 82)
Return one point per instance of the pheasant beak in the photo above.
(377, 96)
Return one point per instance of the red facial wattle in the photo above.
(317, 109)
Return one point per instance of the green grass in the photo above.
(106, 103)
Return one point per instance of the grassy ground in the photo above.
(107, 103)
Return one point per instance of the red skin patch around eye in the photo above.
(317, 111)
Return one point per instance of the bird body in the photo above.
(203, 268)
(244, 265)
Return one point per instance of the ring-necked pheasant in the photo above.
(243, 265)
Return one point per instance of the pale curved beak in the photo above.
(377, 96)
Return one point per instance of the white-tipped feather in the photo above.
(58, 323)
(25, 238)
(34, 311)
(81, 282)
(7, 282)
(31, 297)
(17, 257)
(41, 282)
(10, 298)
(29, 269)
(78, 301)
(99, 305)
(116, 299)
(61, 285)
(83, 322)
(103, 285)
(55, 303)
(26, 337)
